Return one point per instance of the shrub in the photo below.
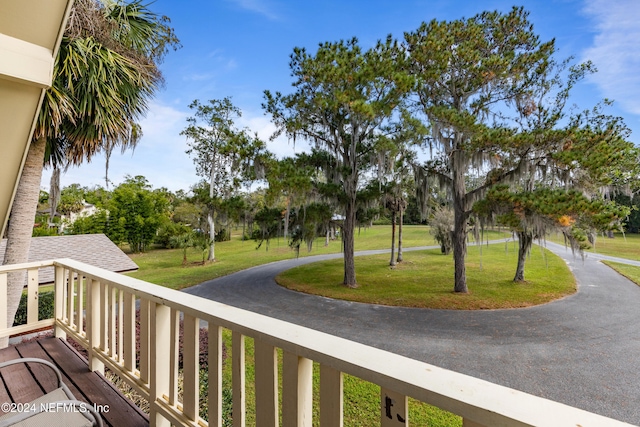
(45, 308)
(222, 235)
(168, 230)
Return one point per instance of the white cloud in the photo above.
(162, 120)
(160, 156)
(615, 50)
(258, 6)
(281, 146)
(197, 77)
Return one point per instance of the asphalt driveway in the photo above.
(583, 350)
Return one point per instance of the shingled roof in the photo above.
(92, 249)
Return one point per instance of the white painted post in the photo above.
(266, 371)
(93, 325)
(174, 348)
(215, 375)
(112, 322)
(104, 317)
(70, 300)
(238, 379)
(331, 397)
(32, 296)
(144, 340)
(80, 304)
(59, 290)
(191, 366)
(159, 370)
(393, 409)
(120, 331)
(129, 331)
(297, 391)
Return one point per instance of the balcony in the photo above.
(98, 309)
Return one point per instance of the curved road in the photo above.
(583, 350)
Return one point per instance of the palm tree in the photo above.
(105, 72)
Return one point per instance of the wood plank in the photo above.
(112, 322)
(238, 379)
(297, 390)
(32, 296)
(331, 397)
(4, 394)
(44, 375)
(174, 348)
(159, 363)
(59, 300)
(21, 385)
(35, 350)
(129, 331)
(393, 409)
(70, 299)
(266, 381)
(95, 388)
(215, 375)
(80, 300)
(144, 340)
(94, 334)
(191, 367)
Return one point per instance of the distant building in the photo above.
(66, 220)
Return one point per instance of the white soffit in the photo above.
(30, 33)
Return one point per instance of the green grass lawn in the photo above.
(361, 398)
(164, 266)
(425, 279)
(622, 245)
(631, 272)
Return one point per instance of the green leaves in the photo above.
(136, 212)
(223, 155)
(104, 75)
(545, 209)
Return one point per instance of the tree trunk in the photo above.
(349, 245)
(392, 263)
(210, 215)
(54, 193)
(286, 219)
(460, 224)
(400, 235)
(212, 236)
(525, 241)
(20, 228)
(107, 156)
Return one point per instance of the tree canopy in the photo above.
(343, 97)
(223, 154)
(494, 98)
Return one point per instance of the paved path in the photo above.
(583, 350)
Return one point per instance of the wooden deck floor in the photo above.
(22, 384)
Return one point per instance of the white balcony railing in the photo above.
(97, 308)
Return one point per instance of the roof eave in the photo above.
(30, 35)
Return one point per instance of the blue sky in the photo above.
(240, 48)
